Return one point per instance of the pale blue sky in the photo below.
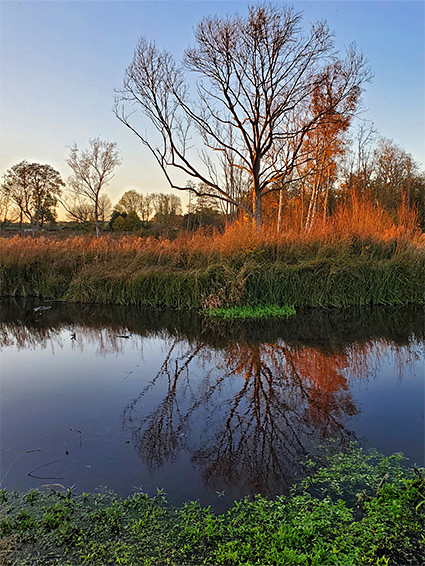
(61, 60)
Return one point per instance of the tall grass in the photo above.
(358, 256)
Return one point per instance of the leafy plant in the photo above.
(322, 522)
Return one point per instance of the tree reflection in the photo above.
(246, 404)
(248, 417)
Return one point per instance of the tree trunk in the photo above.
(257, 210)
(325, 204)
(96, 217)
(256, 204)
(279, 214)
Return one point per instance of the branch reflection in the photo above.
(250, 413)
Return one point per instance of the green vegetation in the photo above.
(359, 508)
(246, 312)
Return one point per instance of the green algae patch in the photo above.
(251, 313)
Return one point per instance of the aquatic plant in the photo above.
(247, 312)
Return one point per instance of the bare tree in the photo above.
(34, 189)
(255, 75)
(358, 165)
(105, 207)
(78, 209)
(93, 169)
(9, 212)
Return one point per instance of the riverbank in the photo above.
(359, 508)
(237, 268)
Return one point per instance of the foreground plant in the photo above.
(361, 508)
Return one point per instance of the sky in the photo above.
(60, 62)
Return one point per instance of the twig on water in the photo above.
(45, 477)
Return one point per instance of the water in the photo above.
(123, 398)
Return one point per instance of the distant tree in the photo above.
(167, 210)
(119, 225)
(128, 223)
(385, 173)
(9, 212)
(166, 204)
(357, 168)
(34, 189)
(81, 210)
(394, 174)
(105, 207)
(255, 76)
(78, 210)
(141, 203)
(129, 201)
(203, 212)
(132, 222)
(92, 170)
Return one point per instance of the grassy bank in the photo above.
(358, 509)
(342, 265)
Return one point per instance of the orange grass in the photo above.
(358, 256)
(358, 220)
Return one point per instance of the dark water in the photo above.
(142, 399)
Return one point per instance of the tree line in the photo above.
(265, 127)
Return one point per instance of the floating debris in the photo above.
(31, 473)
(54, 485)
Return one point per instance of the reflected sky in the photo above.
(142, 399)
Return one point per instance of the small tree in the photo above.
(34, 189)
(93, 169)
(128, 223)
(132, 222)
(119, 225)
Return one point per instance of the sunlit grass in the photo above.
(359, 256)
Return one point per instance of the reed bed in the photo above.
(358, 256)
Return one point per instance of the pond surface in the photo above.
(130, 399)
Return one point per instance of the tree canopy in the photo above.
(252, 110)
(34, 189)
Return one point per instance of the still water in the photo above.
(124, 398)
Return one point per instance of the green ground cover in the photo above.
(357, 508)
